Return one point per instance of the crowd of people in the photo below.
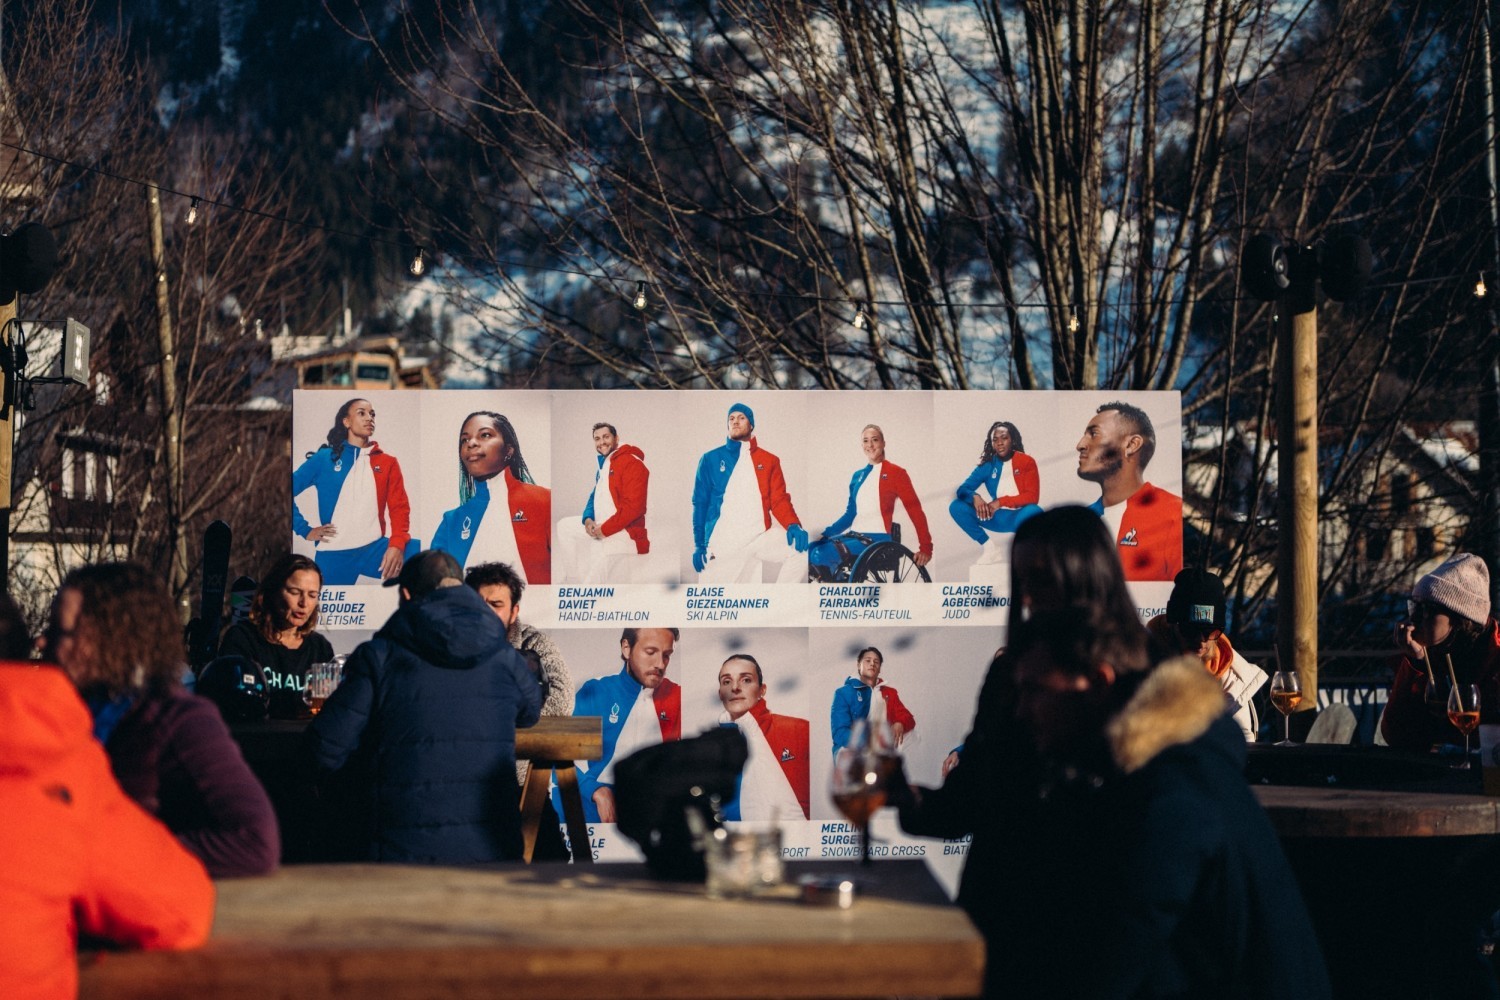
(1101, 781)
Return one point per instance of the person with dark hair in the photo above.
(501, 589)
(1194, 625)
(1000, 494)
(856, 700)
(640, 707)
(614, 518)
(1450, 620)
(114, 631)
(873, 492)
(431, 706)
(775, 781)
(15, 638)
(280, 632)
(520, 533)
(80, 857)
(1103, 797)
(1145, 520)
(362, 506)
(742, 513)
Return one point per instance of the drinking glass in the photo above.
(1463, 712)
(1435, 696)
(322, 678)
(860, 773)
(1286, 695)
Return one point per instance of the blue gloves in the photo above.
(700, 559)
(796, 537)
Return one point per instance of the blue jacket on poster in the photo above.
(612, 698)
(450, 536)
(319, 469)
(714, 470)
(850, 702)
(431, 705)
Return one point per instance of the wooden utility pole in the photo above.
(1297, 475)
(171, 414)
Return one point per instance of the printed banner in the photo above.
(795, 527)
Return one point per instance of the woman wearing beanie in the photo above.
(1450, 617)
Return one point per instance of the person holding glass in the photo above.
(1449, 622)
(1101, 790)
(280, 633)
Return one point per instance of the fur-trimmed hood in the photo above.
(1175, 704)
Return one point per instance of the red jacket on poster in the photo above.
(788, 739)
(1150, 535)
(628, 477)
(80, 857)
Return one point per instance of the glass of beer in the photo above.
(322, 678)
(1463, 712)
(1286, 695)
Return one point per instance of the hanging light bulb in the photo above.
(419, 263)
(1480, 291)
(861, 319)
(640, 295)
(1073, 323)
(192, 212)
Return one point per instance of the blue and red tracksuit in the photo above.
(1150, 535)
(714, 470)
(322, 471)
(529, 509)
(612, 698)
(628, 478)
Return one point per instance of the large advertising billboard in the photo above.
(792, 528)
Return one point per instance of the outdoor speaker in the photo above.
(1265, 267)
(1344, 265)
(28, 258)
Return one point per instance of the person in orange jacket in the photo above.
(81, 857)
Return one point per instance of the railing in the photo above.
(1359, 678)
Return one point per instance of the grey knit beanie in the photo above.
(1462, 585)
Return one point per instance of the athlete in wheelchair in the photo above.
(864, 545)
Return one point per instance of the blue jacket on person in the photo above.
(714, 470)
(431, 705)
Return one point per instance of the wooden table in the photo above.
(1346, 812)
(552, 745)
(553, 931)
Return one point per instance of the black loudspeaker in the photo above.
(1344, 265)
(28, 258)
(656, 786)
(1265, 267)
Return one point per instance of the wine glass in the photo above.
(1463, 712)
(1286, 695)
(860, 772)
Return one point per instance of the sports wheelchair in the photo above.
(855, 557)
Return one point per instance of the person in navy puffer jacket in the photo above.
(432, 704)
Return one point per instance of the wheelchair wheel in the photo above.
(888, 562)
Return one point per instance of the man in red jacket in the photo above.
(1145, 520)
(614, 519)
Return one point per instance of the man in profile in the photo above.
(640, 707)
(614, 518)
(1146, 521)
(774, 783)
(742, 512)
(432, 704)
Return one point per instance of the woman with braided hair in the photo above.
(363, 513)
(518, 531)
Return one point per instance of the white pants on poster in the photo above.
(582, 558)
(742, 564)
